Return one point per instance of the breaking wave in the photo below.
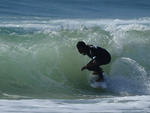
(39, 58)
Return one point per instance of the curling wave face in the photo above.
(38, 57)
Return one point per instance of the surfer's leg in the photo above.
(92, 68)
(100, 78)
(100, 74)
(97, 71)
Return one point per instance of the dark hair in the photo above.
(81, 44)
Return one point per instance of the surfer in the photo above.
(99, 56)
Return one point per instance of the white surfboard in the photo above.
(95, 84)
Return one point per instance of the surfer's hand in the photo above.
(83, 68)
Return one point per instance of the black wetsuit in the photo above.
(99, 55)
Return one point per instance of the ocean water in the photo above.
(40, 65)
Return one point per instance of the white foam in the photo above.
(127, 104)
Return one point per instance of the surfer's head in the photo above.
(82, 47)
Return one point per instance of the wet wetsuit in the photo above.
(100, 56)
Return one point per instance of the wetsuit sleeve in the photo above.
(93, 51)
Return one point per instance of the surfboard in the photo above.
(95, 84)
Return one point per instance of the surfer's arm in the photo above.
(90, 64)
(83, 68)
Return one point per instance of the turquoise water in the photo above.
(76, 8)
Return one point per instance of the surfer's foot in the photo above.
(95, 73)
(100, 80)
